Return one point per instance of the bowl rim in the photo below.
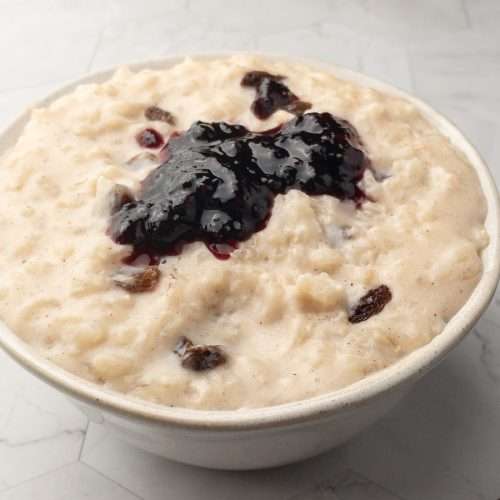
(376, 385)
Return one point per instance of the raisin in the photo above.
(272, 94)
(149, 138)
(136, 279)
(253, 78)
(155, 113)
(371, 303)
(199, 357)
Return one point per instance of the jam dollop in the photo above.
(272, 94)
(218, 182)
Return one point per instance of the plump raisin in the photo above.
(218, 182)
(155, 113)
(150, 138)
(254, 78)
(136, 279)
(272, 94)
(371, 303)
(199, 357)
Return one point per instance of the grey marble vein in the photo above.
(485, 333)
(30, 442)
(348, 486)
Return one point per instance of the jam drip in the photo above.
(272, 94)
(218, 182)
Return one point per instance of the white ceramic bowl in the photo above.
(248, 439)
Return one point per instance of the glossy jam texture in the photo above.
(219, 181)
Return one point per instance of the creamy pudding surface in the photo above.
(245, 285)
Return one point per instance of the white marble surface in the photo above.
(443, 442)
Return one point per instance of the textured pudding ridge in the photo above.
(218, 182)
(324, 296)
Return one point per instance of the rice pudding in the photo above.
(234, 233)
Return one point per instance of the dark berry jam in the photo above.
(272, 94)
(218, 182)
(150, 138)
